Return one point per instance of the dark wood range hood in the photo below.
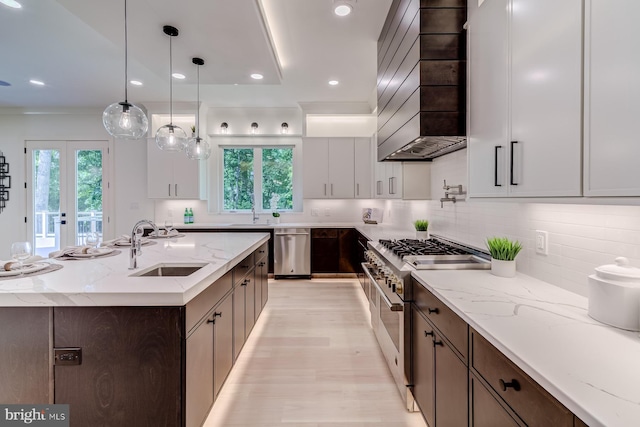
(422, 80)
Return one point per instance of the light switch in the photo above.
(542, 242)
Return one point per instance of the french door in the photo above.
(66, 192)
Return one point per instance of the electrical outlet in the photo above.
(315, 212)
(542, 242)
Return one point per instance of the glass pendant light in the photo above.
(171, 137)
(122, 119)
(198, 148)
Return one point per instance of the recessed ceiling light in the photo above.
(136, 82)
(333, 82)
(257, 76)
(11, 3)
(36, 82)
(178, 76)
(3, 83)
(342, 9)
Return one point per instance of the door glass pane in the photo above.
(88, 191)
(277, 178)
(46, 203)
(238, 178)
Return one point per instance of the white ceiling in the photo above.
(77, 48)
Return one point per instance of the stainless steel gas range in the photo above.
(387, 269)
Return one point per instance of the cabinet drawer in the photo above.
(261, 252)
(201, 304)
(324, 233)
(534, 405)
(448, 322)
(243, 268)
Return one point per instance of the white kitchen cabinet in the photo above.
(171, 175)
(329, 168)
(612, 90)
(525, 98)
(388, 180)
(362, 168)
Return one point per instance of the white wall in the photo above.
(581, 237)
(128, 177)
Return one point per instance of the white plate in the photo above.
(165, 236)
(92, 253)
(26, 269)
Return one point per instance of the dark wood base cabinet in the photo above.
(334, 250)
(138, 366)
(440, 374)
(460, 379)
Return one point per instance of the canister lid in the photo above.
(620, 271)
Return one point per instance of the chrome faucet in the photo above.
(136, 243)
(448, 195)
(255, 217)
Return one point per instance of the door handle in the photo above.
(332, 189)
(357, 188)
(511, 178)
(176, 190)
(379, 188)
(325, 189)
(169, 190)
(495, 167)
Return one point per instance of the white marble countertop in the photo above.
(107, 281)
(591, 368)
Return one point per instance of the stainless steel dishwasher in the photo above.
(292, 252)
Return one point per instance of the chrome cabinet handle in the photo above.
(357, 189)
(176, 188)
(379, 188)
(325, 189)
(169, 190)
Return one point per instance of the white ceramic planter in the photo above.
(422, 235)
(276, 220)
(502, 268)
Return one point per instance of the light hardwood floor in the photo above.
(312, 360)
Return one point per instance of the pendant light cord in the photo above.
(170, 82)
(198, 109)
(126, 54)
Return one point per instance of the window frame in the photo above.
(216, 190)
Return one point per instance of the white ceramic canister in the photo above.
(614, 295)
(502, 268)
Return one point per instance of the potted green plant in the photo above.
(193, 130)
(503, 256)
(276, 216)
(422, 228)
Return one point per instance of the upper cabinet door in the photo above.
(159, 172)
(546, 98)
(612, 91)
(316, 171)
(186, 177)
(362, 166)
(525, 74)
(488, 102)
(341, 164)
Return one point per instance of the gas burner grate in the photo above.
(404, 247)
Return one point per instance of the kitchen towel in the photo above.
(69, 251)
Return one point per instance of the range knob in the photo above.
(399, 286)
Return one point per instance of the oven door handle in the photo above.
(387, 301)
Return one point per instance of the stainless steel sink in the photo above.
(169, 270)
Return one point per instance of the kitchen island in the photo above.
(127, 350)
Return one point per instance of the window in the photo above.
(263, 174)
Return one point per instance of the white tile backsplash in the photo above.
(581, 237)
